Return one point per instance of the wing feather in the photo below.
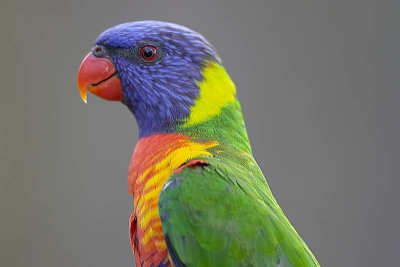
(211, 217)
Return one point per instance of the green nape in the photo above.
(229, 206)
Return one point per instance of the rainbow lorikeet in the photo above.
(199, 197)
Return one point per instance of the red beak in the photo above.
(98, 75)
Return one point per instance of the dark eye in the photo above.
(148, 53)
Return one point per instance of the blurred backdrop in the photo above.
(319, 86)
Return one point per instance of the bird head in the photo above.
(152, 67)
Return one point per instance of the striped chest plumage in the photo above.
(154, 160)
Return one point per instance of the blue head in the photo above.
(159, 65)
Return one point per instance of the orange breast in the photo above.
(153, 161)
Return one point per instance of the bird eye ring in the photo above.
(148, 53)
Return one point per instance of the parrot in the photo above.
(199, 197)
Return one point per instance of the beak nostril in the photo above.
(99, 51)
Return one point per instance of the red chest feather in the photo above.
(154, 160)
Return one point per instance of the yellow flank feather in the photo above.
(216, 91)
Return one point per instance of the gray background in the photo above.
(318, 81)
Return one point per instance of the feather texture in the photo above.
(199, 197)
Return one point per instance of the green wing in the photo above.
(212, 216)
